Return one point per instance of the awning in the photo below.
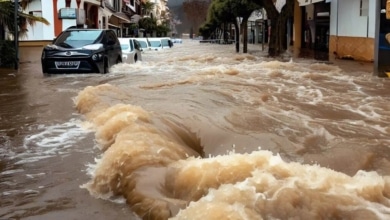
(113, 25)
(121, 18)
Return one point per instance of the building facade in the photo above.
(335, 29)
(63, 14)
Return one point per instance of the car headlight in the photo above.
(97, 56)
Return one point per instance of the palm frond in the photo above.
(7, 11)
(33, 19)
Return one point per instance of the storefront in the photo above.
(314, 28)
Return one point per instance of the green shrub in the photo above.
(7, 53)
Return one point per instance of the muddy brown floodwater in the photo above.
(196, 132)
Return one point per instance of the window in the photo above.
(116, 5)
(364, 8)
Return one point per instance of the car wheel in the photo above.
(105, 66)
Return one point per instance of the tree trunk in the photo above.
(237, 36)
(245, 34)
(273, 42)
(286, 13)
(273, 15)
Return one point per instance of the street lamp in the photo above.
(16, 35)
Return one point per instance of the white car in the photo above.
(131, 50)
(159, 43)
(144, 42)
(155, 43)
(166, 42)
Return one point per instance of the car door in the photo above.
(114, 51)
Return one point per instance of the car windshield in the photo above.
(78, 38)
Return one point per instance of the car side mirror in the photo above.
(388, 9)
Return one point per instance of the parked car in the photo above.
(131, 50)
(145, 44)
(166, 42)
(82, 51)
(155, 43)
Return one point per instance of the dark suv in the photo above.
(82, 51)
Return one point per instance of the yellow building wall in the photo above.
(357, 48)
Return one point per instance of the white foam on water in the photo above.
(52, 141)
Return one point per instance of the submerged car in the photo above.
(82, 51)
(131, 50)
(144, 42)
(155, 44)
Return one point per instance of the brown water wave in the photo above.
(157, 163)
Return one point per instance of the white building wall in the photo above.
(345, 19)
(42, 31)
(333, 29)
(35, 32)
(48, 14)
(371, 18)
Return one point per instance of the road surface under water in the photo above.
(196, 132)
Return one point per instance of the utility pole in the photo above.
(16, 35)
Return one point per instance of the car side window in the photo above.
(111, 37)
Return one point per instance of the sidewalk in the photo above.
(352, 67)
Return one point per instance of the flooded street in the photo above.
(196, 132)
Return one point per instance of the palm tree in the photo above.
(9, 54)
(7, 13)
(147, 7)
(148, 24)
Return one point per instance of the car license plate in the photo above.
(67, 64)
